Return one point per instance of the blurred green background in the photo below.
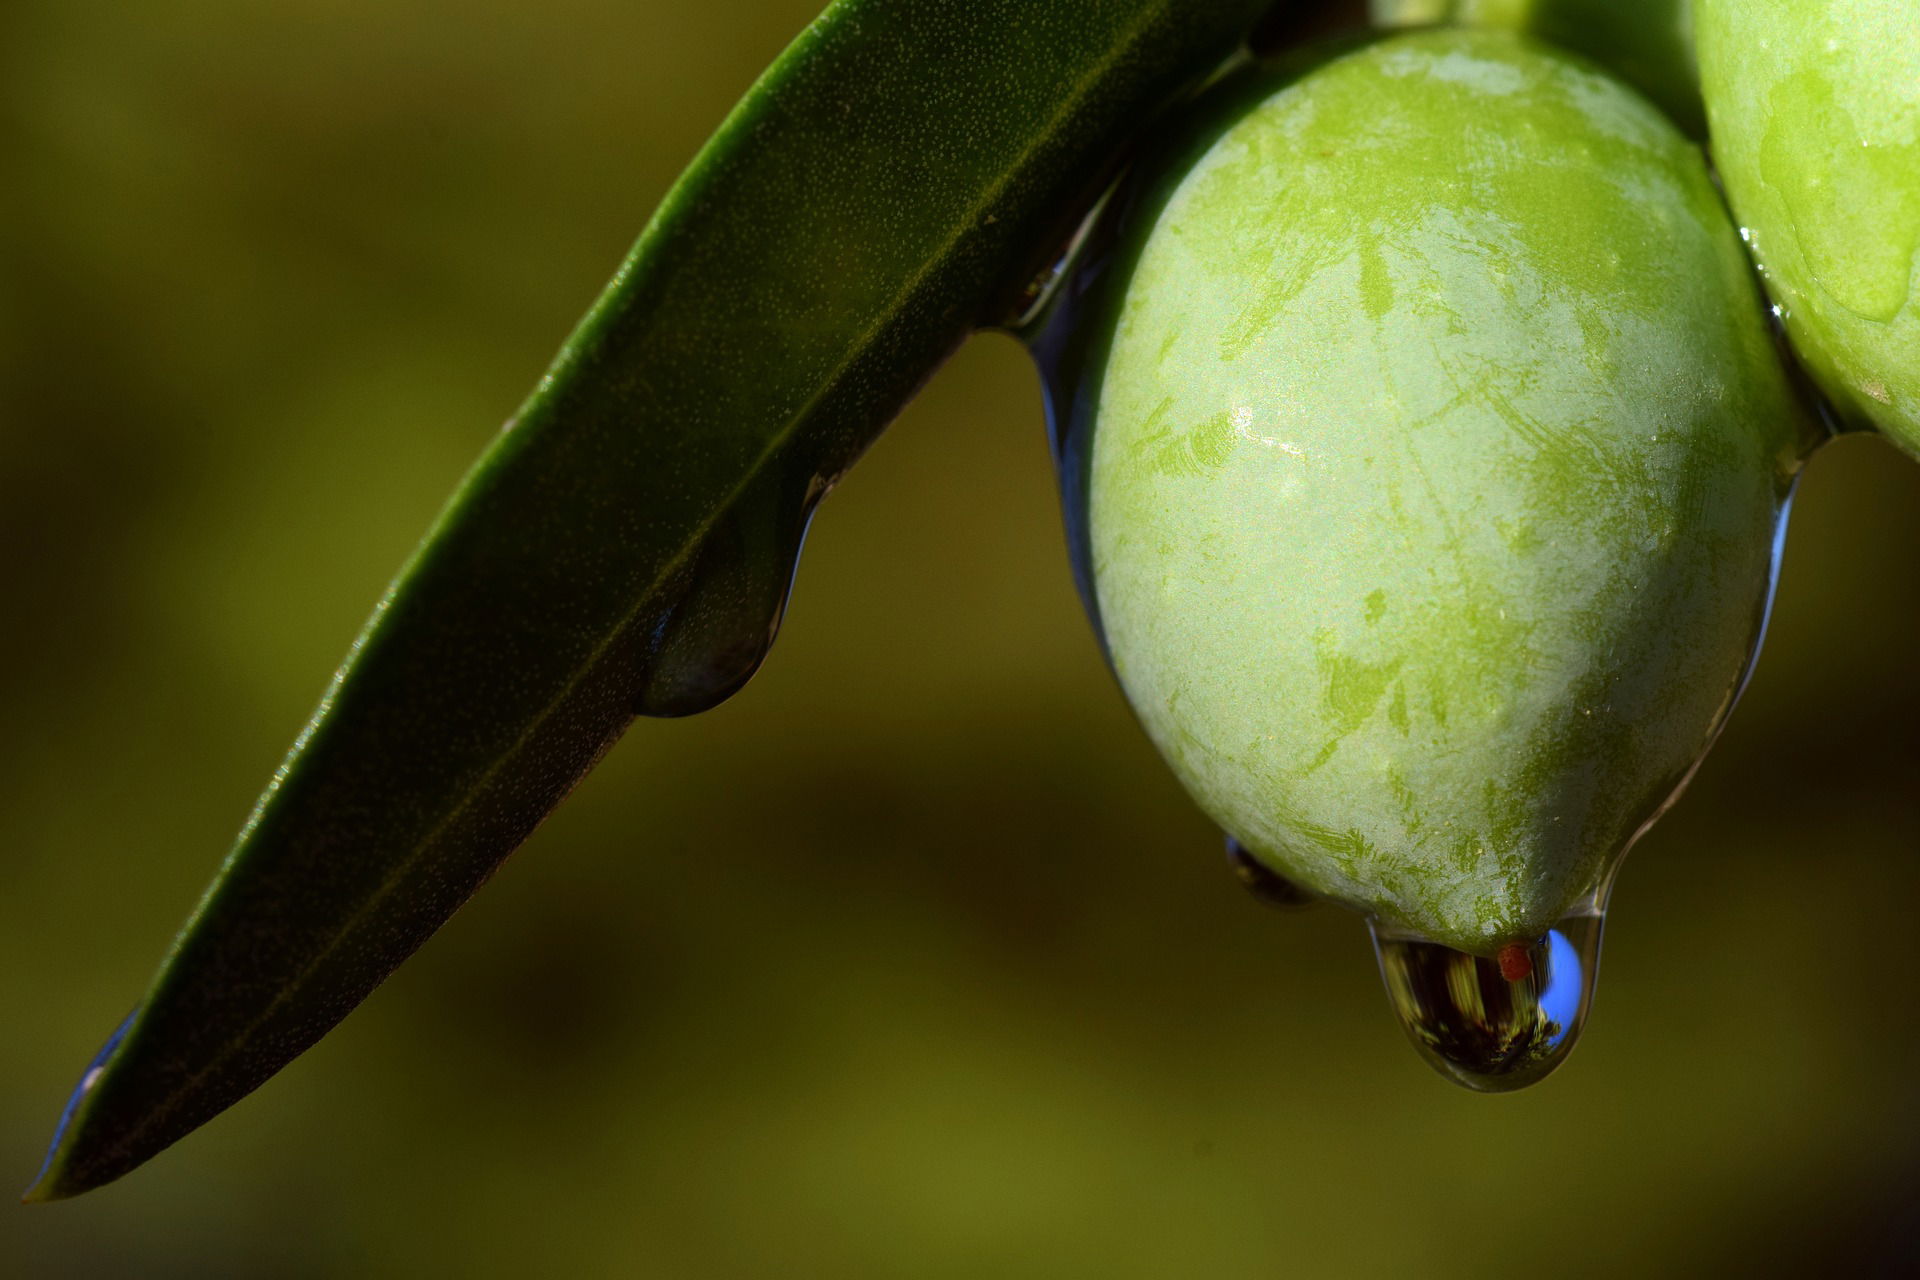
(912, 959)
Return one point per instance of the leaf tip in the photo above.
(56, 1179)
(46, 1189)
(53, 1181)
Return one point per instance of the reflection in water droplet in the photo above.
(1475, 1026)
(1267, 886)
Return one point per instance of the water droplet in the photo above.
(1267, 886)
(1476, 1025)
(732, 597)
(1067, 352)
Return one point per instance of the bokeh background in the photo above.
(910, 960)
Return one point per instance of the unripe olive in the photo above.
(1647, 43)
(1438, 450)
(1815, 112)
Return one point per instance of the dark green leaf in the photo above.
(624, 547)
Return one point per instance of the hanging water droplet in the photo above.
(1267, 886)
(734, 593)
(1067, 332)
(1494, 1024)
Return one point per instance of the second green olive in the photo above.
(1816, 131)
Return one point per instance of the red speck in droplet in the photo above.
(1515, 964)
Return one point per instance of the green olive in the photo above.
(1439, 448)
(1647, 43)
(1815, 112)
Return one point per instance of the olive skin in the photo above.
(1815, 118)
(1439, 448)
(1647, 43)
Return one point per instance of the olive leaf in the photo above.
(624, 547)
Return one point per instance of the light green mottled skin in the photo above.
(1439, 452)
(1647, 43)
(1815, 114)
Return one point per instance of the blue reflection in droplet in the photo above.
(1476, 1026)
(1560, 1000)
